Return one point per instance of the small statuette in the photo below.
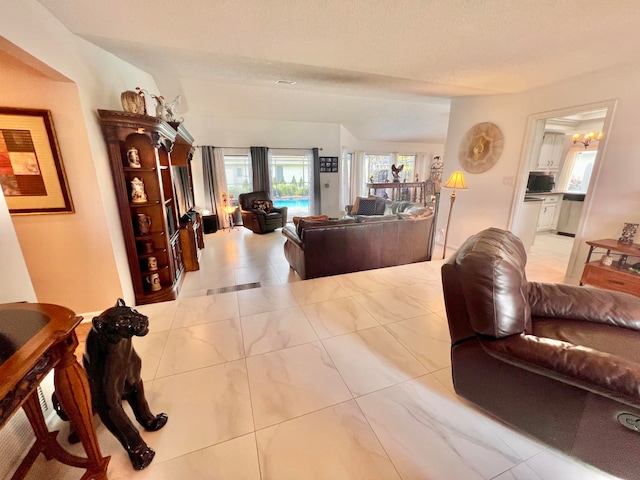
(133, 157)
(138, 194)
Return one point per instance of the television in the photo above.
(182, 189)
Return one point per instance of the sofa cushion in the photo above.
(376, 218)
(296, 220)
(307, 224)
(396, 206)
(416, 211)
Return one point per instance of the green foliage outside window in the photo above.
(289, 189)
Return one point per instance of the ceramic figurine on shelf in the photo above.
(144, 224)
(154, 282)
(152, 264)
(138, 194)
(164, 110)
(133, 157)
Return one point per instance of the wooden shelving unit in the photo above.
(160, 146)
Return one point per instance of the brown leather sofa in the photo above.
(331, 247)
(560, 362)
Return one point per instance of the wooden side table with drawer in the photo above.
(615, 276)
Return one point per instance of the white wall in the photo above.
(77, 260)
(615, 196)
(16, 287)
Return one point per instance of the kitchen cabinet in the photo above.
(549, 212)
(527, 225)
(550, 155)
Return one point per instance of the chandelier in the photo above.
(586, 138)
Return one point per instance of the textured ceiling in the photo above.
(383, 68)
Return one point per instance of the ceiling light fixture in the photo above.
(587, 138)
(286, 82)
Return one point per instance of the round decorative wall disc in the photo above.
(481, 147)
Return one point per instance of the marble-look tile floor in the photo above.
(345, 377)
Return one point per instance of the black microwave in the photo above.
(540, 182)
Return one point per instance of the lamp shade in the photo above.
(456, 181)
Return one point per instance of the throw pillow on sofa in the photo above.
(366, 206)
(265, 205)
(416, 212)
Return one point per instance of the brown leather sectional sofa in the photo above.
(331, 247)
(560, 362)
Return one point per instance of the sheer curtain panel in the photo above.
(215, 183)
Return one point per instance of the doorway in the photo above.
(574, 166)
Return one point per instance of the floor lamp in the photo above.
(456, 180)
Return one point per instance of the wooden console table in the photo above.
(35, 338)
(613, 277)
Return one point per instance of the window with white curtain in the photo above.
(377, 168)
(237, 167)
(576, 172)
(291, 173)
(346, 173)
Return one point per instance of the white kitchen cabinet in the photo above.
(527, 226)
(549, 212)
(550, 155)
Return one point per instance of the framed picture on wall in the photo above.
(328, 164)
(32, 175)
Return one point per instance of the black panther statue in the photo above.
(113, 368)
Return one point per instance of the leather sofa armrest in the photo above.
(584, 303)
(283, 210)
(598, 372)
(290, 233)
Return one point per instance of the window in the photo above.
(378, 169)
(237, 167)
(576, 173)
(345, 179)
(292, 180)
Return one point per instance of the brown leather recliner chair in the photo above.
(261, 220)
(560, 362)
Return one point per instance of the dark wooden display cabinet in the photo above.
(159, 146)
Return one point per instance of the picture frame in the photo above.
(328, 164)
(32, 175)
